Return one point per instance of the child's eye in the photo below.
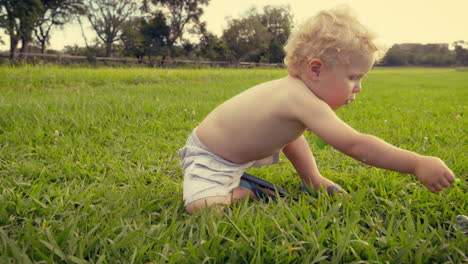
(356, 77)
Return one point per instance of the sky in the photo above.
(394, 21)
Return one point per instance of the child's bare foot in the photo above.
(242, 191)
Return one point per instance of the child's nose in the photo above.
(357, 88)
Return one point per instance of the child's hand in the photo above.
(322, 182)
(434, 174)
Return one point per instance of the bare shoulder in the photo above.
(298, 101)
(317, 116)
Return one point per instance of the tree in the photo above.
(278, 20)
(55, 13)
(179, 14)
(395, 56)
(246, 37)
(27, 25)
(156, 36)
(212, 47)
(461, 54)
(133, 39)
(263, 34)
(107, 18)
(146, 38)
(18, 19)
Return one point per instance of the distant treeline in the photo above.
(159, 30)
(151, 29)
(427, 55)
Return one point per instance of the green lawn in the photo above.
(89, 172)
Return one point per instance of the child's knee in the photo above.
(220, 201)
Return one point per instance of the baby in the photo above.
(326, 59)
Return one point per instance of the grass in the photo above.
(89, 172)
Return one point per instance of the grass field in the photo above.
(89, 172)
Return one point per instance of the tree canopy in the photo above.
(55, 13)
(180, 14)
(108, 17)
(142, 37)
(246, 37)
(157, 29)
(419, 54)
(18, 18)
(259, 36)
(278, 21)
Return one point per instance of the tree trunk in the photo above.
(108, 49)
(238, 61)
(13, 48)
(151, 62)
(24, 48)
(43, 46)
(163, 60)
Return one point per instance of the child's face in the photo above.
(339, 85)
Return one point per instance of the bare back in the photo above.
(256, 123)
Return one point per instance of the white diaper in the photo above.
(206, 174)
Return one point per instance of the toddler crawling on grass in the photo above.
(326, 60)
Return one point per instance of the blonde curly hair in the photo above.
(332, 36)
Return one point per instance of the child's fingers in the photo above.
(438, 187)
(444, 182)
(449, 176)
(431, 187)
(435, 187)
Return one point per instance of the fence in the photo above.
(153, 62)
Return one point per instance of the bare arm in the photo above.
(378, 153)
(431, 171)
(300, 155)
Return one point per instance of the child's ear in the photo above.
(315, 67)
